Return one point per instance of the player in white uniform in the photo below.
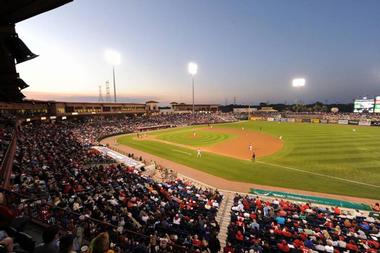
(199, 154)
(250, 148)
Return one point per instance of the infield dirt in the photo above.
(263, 144)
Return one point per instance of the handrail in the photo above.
(5, 155)
(7, 163)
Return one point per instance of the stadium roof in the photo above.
(13, 11)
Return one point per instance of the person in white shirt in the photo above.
(239, 207)
(177, 220)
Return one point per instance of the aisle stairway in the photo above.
(224, 217)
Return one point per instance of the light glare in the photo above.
(192, 68)
(112, 57)
(298, 82)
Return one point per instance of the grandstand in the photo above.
(58, 179)
(103, 177)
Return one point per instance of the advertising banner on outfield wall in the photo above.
(343, 121)
(277, 119)
(314, 199)
(284, 120)
(375, 123)
(298, 120)
(364, 123)
(324, 121)
(270, 119)
(315, 120)
(333, 121)
(353, 122)
(306, 120)
(291, 120)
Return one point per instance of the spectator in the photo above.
(66, 244)
(50, 241)
(100, 244)
(376, 207)
(6, 241)
(214, 244)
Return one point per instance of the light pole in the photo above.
(114, 58)
(114, 84)
(298, 83)
(193, 69)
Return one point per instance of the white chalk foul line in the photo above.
(318, 174)
(182, 152)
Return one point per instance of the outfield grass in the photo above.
(327, 150)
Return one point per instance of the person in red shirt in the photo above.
(286, 233)
(283, 246)
(298, 243)
(246, 204)
(228, 248)
(373, 244)
(239, 236)
(337, 210)
(352, 246)
(258, 202)
(196, 242)
(304, 207)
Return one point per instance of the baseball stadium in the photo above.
(131, 171)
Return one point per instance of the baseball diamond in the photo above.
(315, 157)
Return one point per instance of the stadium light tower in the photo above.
(114, 58)
(298, 83)
(193, 69)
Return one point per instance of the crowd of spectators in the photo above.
(282, 226)
(102, 205)
(321, 115)
(86, 193)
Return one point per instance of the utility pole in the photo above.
(108, 92)
(100, 99)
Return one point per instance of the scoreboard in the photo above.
(365, 105)
(377, 104)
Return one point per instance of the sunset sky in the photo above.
(250, 49)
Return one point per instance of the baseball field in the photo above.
(336, 159)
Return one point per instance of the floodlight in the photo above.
(192, 68)
(112, 57)
(298, 82)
